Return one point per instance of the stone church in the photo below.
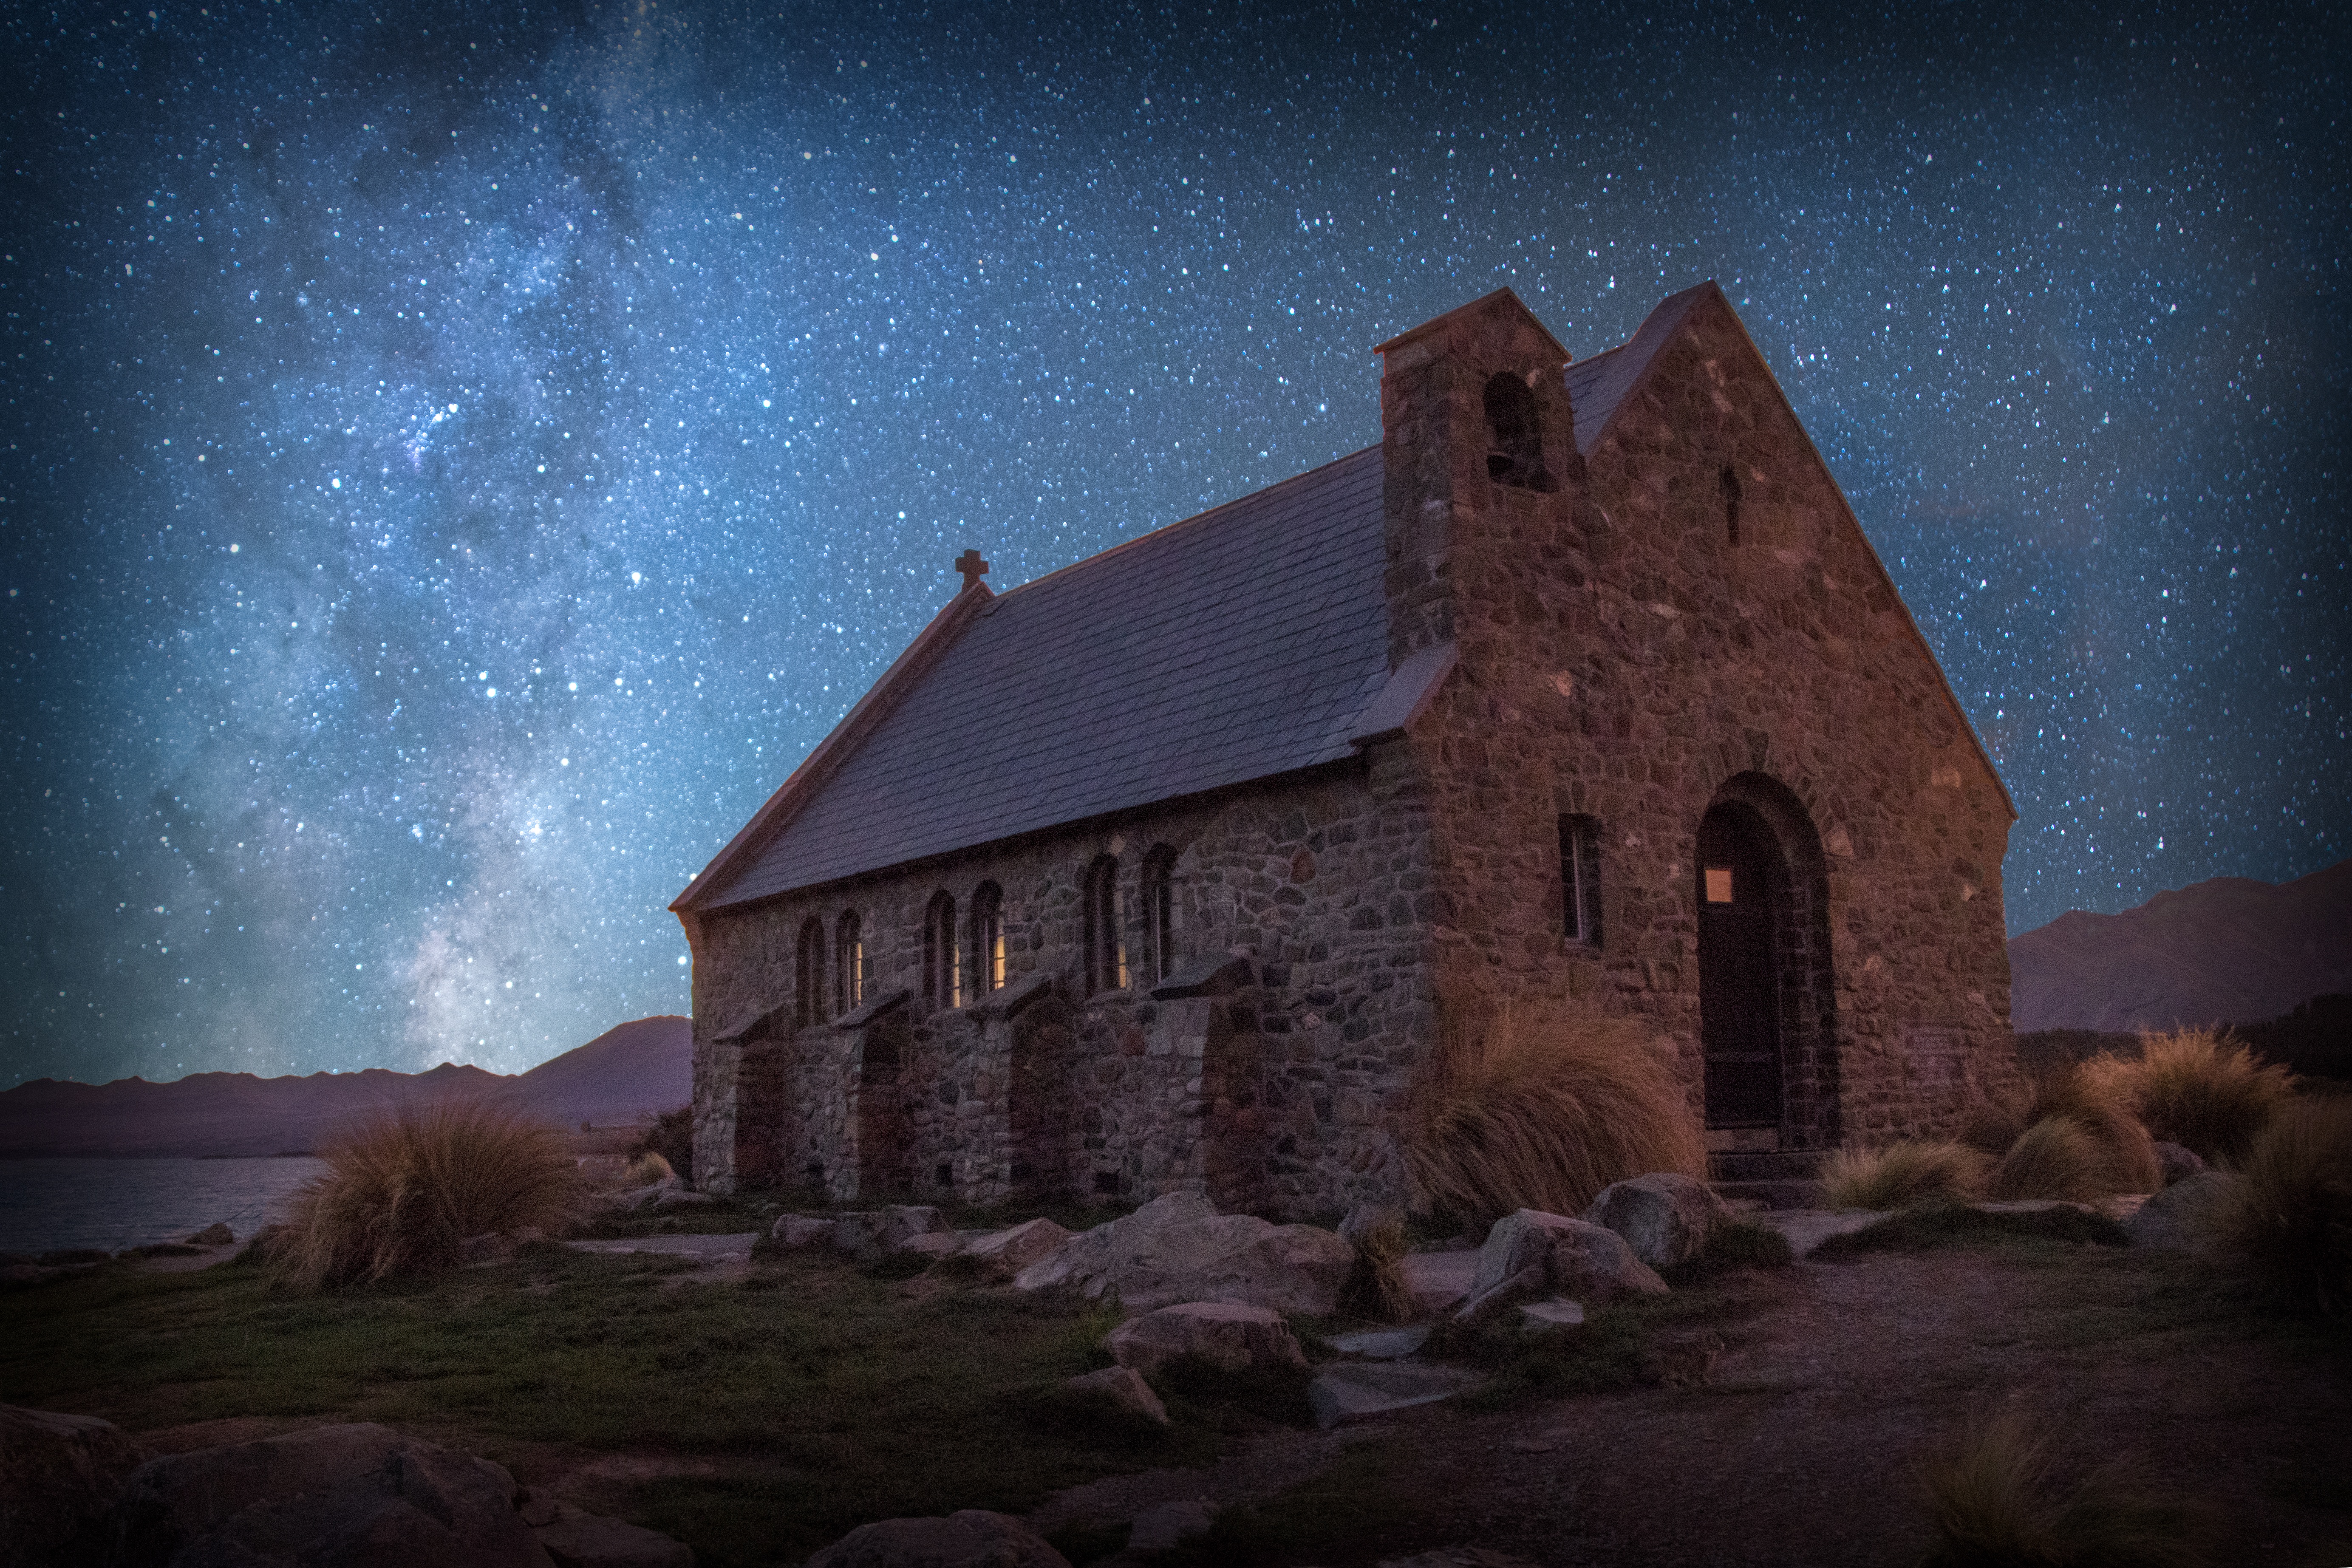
(1583, 687)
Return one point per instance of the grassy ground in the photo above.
(783, 1408)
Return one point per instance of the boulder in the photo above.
(802, 1230)
(971, 1538)
(935, 1245)
(901, 1223)
(1123, 1386)
(360, 1494)
(575, 1538)
(1382, 1344)
(1228, 1336)
(213, 1234)
(2175, 1164)
(1516, 1241)
(2173, 1216)
(58, 1476)
(1438, 1280)
(1005, 1253)
(1180, 1248)
(1594, 1265)
(1662, 1216)
(1531, 1281)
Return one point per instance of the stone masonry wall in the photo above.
(1265, 1089)
(1621, 656)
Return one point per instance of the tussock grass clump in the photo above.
(2196, 1087)
(1913, 1171)
(402, 1192)
(1997, 1499)
(1541, 1107)
(2112, 1153)
(2288, 1215)
(1377, 1287)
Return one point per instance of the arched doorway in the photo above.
(1768, 1025)
(1742, 914)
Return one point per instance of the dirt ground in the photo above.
(1802, 1442)
(1789, 1430)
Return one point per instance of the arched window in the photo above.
(1513, 435)
(1105, 937)
(808, 974)
(942, 974)
(1731, 502)
(1159, 912)
(1579, 877)
(987, 938)
(848, 963)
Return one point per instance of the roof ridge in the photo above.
(1166, 529)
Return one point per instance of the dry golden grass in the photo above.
(401, 1193)
(645, 1170)
(2196, 1087)
(1913, 1171)
(1378, 1288)
(2054, 1158)
(2113, 1153)
(2288, 1214)
(1996, 1500)
(1541, 1107)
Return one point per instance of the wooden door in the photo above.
(1739, 921)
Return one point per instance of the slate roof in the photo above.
(1235, 645)
(1249, 641)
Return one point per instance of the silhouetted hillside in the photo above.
(627, 1074)
(2229, 951)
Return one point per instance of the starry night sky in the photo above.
(458, 460)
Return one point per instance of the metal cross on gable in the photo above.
(972, 567)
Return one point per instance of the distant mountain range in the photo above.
(623, 1075)
(2231, 950)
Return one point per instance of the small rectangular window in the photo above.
(1579, 877)
(1718, 884)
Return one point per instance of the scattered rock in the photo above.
(2177, 1163)
(577, 1538)
(802, 1230)
(1164, 1526)
(1227, 1335)
(358, 1493)
(1125, 1387)
(971, 1538)
(1594, 1264)
(1357, 1391)
(1556, 1313)
(215, 1234)
(2171, 1217)
(1382, 1344)
(903, 1222)
(935, 1245)
(681, 1197)
(1005, 1253)
(1517, 1240)
(1662, 1216)
(1578, 1259)
(58, 1476)
(1528, 1281)
(1180, 1248)
(1438, 1280)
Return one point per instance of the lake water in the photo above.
(47, 1204)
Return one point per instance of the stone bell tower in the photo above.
(1479, 445)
